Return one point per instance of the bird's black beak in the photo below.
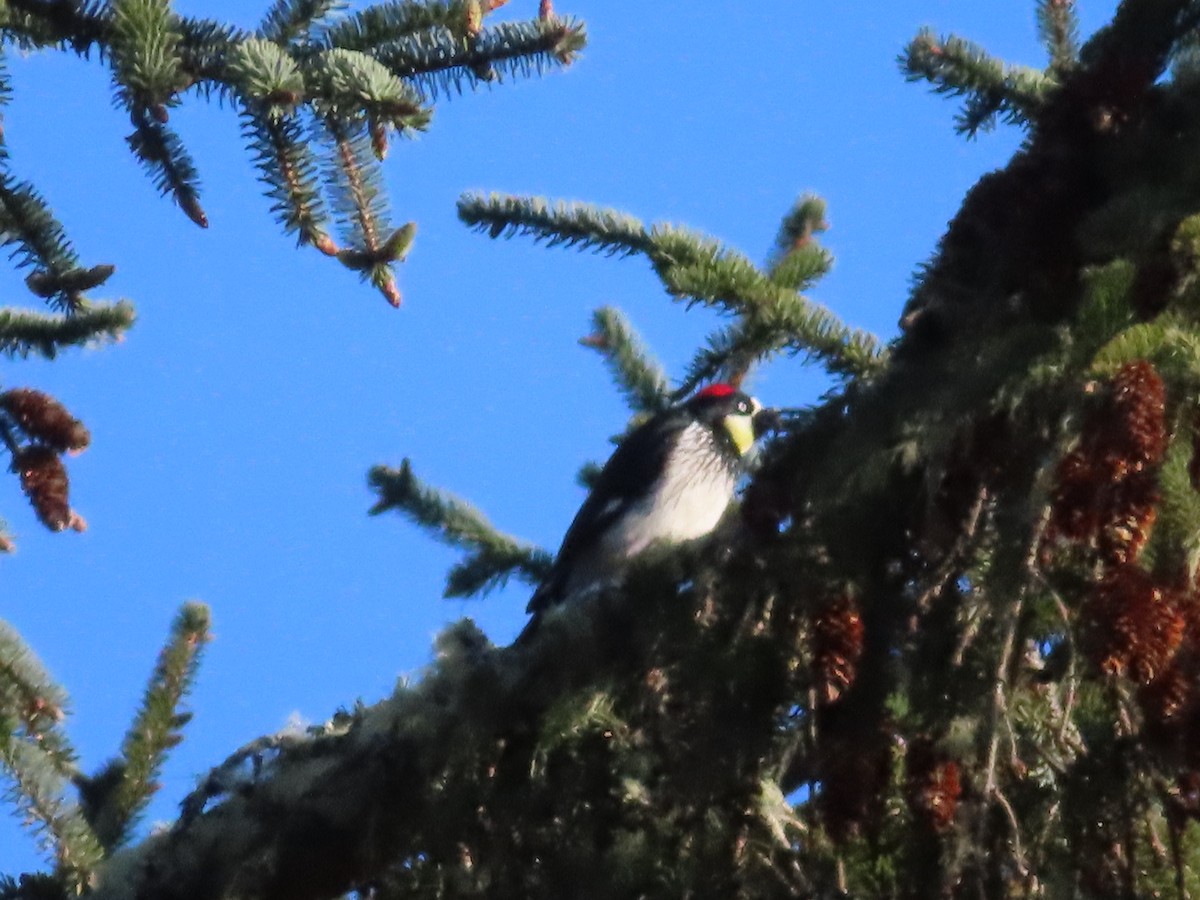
(766, 420)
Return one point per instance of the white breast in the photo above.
(687, 502)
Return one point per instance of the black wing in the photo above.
(627, 476)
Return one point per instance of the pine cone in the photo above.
(1106, 490)
(1134, 627)
(1132, 508)
(837, 644)
(1136, 432)
(44, 480)
(1075, 509)
(45, 419)
(932, 785)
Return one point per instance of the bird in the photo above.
(669, 480)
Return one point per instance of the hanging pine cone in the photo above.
(1172, 700)
(1132, 506)
(1106, 490)
(1136, 436)
(1132, 626)
(932, 785)
(44, 480)
(1076, 508)
(837, 644)
(45, 419)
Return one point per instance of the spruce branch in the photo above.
(266, 76)
(290, 21)
(289, 169)
(206, 49)
(728, 354)
(638, 376)
(143, 46)
(381, 24)
(439, 62)
(119, 795)
(162, 153)
(568, 224)
(776, 316)
(25, 332)
(798, 261)
(32, 704)
(38, 759)
(805, 219)
(366, 73)
(66, 289)
(495, 556)
(36, 238)
(353, 179)
(34, 24)
(694, 268)
(960, 68)
(37, 790)
(348, 83)
(1058, 27)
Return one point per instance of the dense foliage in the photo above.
(949, 645)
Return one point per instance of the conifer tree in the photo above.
(320, 93)
(948, 645)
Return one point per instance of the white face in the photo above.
(740, 425)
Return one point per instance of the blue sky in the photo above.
(233, 428)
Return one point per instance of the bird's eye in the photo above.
(743, 406)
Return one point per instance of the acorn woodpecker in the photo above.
(670, 480)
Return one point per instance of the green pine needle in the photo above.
(25, 332)
(1058, 28)
(1175, 541)
(960, 68)
(776, 317)
(578, 225)
(1172, 345)
(143, 45)
(265, 73)
(802, 267)
(346, 83)
(162, 153)
(37, 786)
(696, 269)
(495, 555)
(79, 25)
(155, 729)
(441, 62)
(32, 704)
(638, 376)
(30, 229)
(293, 20)
(38, 759)
(354, 182)
(384, 23)
(289, 170)
(206, 48)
